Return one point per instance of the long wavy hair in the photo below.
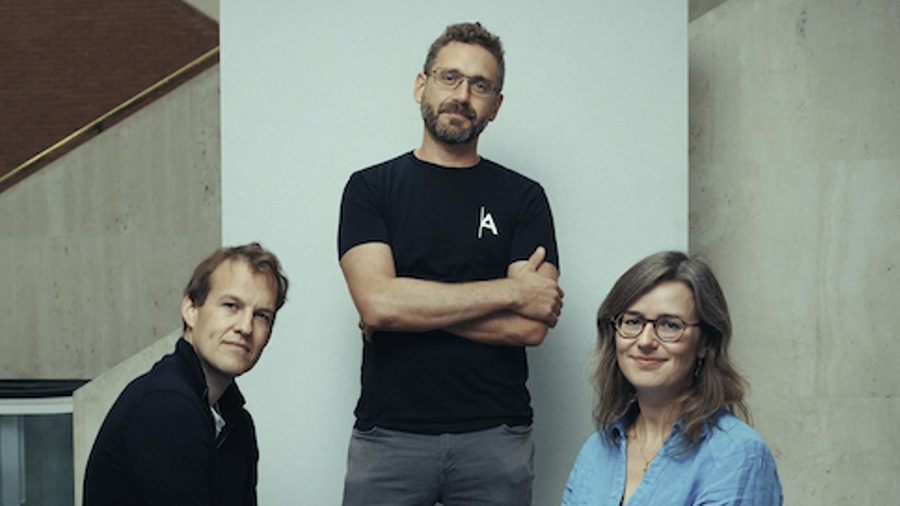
(716, 382)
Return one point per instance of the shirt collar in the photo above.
(620, 427)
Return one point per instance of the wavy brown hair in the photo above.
(260, 260)
(716, 383)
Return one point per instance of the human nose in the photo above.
(647, 337)
(244, 325)
(462, 89)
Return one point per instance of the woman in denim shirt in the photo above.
(668, 396)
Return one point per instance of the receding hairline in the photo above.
(255, 272)
(496, 69)
(469, 33)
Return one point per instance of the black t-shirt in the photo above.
(448, 225)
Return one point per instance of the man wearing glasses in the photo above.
(451, 262)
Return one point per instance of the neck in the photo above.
(657, 416)
(447, 155)
(654, 427)
(648, 433)
(216, 386)
(216, 383)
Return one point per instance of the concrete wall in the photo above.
(211, 7)
(697, 8)
(795, 199)
(96, 247)
(93, 401)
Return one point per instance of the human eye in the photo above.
(632, 319)
(449, 77)
(481, 87)
(671, 323)
(263, 317)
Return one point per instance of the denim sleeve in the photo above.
(754, 483)
(574, 487)
(582, 488)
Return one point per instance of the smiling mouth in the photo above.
(648, 361)
(241, 346)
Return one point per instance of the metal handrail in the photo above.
(97, 124)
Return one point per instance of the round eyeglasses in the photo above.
(668, 328)
(449, 79)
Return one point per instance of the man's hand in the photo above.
(474, 310)
(540, 297)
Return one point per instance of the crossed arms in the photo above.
(517, 310)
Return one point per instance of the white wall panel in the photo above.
(595, 109)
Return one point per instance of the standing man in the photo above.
(179, 434)
(451, 262)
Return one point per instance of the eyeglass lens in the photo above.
(450, 79)
(667, 328)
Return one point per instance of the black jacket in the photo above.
(157, 445)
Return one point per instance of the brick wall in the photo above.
(65, 63)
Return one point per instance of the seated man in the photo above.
(179, 434)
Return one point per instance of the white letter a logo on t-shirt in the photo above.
(486, 221)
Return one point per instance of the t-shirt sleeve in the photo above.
(362, 217)
(535, 228)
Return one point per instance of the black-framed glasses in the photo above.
(449, 79)
(668, 328)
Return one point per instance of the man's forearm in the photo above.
(414, 305)
(389, 302)
(502, 329)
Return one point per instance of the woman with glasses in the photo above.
(668, 396)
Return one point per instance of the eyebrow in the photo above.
(226, 297)
(662, 315)
(474, 76)
(269, 312)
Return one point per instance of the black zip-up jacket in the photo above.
(157, 445)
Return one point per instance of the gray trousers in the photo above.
(493, 467)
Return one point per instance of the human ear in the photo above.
(497, 106)
(419, 87)
(189, 312)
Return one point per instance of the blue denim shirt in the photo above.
(730, 464)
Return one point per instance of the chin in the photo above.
(235, 369)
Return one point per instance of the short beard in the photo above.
(452, 135)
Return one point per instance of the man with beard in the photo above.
(451, 262)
